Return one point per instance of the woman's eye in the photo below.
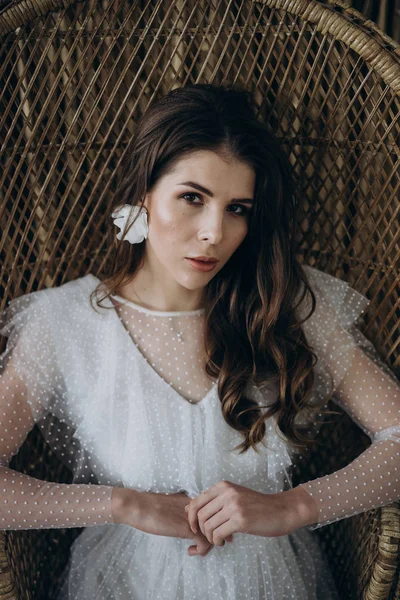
(244, 212)
(190, 194)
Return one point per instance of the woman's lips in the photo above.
(200, 265)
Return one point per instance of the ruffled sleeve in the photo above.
(33, 390)
(366, 389)
(330, 332)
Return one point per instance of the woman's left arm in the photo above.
(372, 399)
(371, 396)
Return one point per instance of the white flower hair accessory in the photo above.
(138, 232)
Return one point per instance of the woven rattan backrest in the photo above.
(76, 76)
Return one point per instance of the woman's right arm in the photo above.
(33, 390)
(30, 503)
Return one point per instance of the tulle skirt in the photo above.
(119, 562)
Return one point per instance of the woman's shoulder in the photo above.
(74, 291)
(72, 296)
(73, 309)
(335, 298)
(61, 310)
(325, 282)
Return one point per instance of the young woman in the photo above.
(178, 384)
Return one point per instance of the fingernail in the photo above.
(194, 529)
(187, 506)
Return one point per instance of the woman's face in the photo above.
(187, 222)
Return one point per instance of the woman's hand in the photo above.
(227, 508)
(160, 514)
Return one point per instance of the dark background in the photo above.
(385, 13)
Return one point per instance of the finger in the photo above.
(216, 520)
(192, 517)
(201, 547)
(199, 550)
(222, 533)
(189, 517)
(197, 503)
(193, 551)
(211, 513)
(208, 550)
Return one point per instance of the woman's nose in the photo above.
(212, 227)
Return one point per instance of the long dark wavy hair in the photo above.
(252, 331)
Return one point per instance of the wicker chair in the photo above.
(74, 78)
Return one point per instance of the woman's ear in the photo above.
(146, 204)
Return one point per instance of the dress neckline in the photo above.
(181, 399)
(149, 311)
(159, 313)
(154, 373)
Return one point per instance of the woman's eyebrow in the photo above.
(209, 193)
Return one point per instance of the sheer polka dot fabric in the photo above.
(172, 343)
(32, 389)
(366, 389)
(122, 397)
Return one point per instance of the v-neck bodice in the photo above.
(171, 346)
(155, 375)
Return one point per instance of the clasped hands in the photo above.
(214, 515)
(227, 508)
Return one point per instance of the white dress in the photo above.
(122, 397)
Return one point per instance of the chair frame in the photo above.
(380, 577)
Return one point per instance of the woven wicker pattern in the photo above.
(74, 79)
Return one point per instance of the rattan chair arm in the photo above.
(7, 588)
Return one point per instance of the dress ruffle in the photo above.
(333, 334)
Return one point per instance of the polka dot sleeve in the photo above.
(370, 394)
(372, 398)
(32, 390)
